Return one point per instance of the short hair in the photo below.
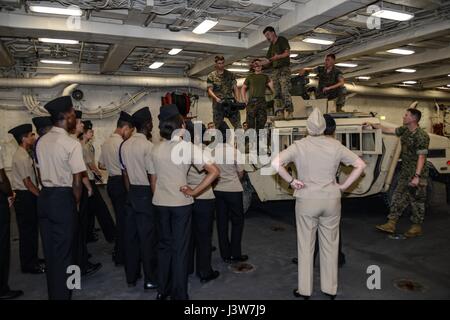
(21, 136)
(416, 113)
(167, 127)
(122, 123)
(59, 116)
(331, 55)
(269, 28)
(219, 58)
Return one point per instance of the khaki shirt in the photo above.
(136, 156)
(59, 157)
(195, 177)
(317, 160)
(109, 156)
(172, 160)
(22, 168)
(225, 159)
(88, 157)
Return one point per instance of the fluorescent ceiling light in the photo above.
(406, 70)
(448, 85)
(70, 11)
(293, 55)
(56, 61)
(318, 41)
(238, 70)
(175, 51)
(393, 15)
(382, 117)
(347, 65)
(410, 82)
(312, 75)
(449, 75)
(242, 64)
(64, 41)
(401, 51)
(205, 26)
(363, 78)
(444, 88)
(156, 65)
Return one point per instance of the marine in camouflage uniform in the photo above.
(413, 144)
(222, 85)
(327, 79)
(281, 75)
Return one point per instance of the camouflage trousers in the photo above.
(405, 195)
(219, 115)
(338, 94)
(257, 113)
(281, 78)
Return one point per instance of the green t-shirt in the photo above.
(327, 79)
(413, 144)
(279, 47)
(256, 85)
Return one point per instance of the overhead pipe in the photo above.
(109, 80)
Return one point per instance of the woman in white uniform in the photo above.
(318, 204)
(173, 199)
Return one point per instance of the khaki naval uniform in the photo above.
(59, 158)
(25, 206)
(229, 202)
(174, 212)
(96, 205)
(109, 157)
(202, 223)
(318, 206)
(140, 223)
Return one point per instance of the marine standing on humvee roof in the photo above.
(412, 185)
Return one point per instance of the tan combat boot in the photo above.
(414, 231)
(388, 227)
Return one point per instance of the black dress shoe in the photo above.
(150, 285)
(295, 260)
(330, 296)
(34, 270)
(298, 295)
(240, 258)
(92, 268)
(161, 296)
(213, 275)
(11, 294)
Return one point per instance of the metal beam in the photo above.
(305, 17)
(423, 74)
(401, 62)
(19, 25)
(436, 83)
(414, 34)
(270, 3)
(116, 56)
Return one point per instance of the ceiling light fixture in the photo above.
(406, 70)
(312, 75)
(56, 61)
(238, 70)
(70, 11)
(404, 52)
(363, 78)
(156, 65)
(175, 51)
(62, 41)
(410, 82)
(318, 41)
(205, 26)
(293, 55)
(346, 65)
(393, 15)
